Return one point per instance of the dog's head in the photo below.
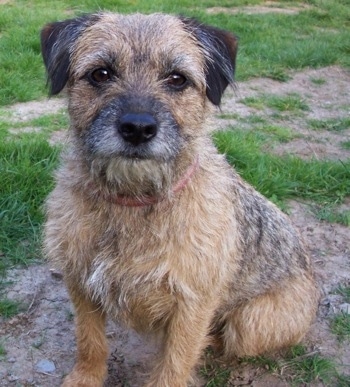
(139, 86)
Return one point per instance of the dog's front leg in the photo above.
(92, 350)
(185, 338)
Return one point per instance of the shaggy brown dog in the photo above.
(149, 224)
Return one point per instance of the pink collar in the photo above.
(143, 201)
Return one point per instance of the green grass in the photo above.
(46, 123)
(274, 132)
(300, 367)
(26, 165)
(254, 119)
(288, 103)
(279, 133)
(214, 375)
(9, 308)
(340, 326)
(270, 44)
(340, 323)
(345, 145)
(229, 116)
(345, 292)
(318, 81)
(3, 351)
(330, 214)
(283, 177)
(332, 124)
(307, 367)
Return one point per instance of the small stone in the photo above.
(12, 378)
(11, 360)
(56, 274)
(46, 366)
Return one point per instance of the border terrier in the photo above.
(148, 222)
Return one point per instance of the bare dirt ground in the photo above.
(40, 341)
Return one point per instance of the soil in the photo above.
(40, 342)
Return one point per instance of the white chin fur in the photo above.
(135, 177)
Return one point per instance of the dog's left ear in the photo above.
(220, 48)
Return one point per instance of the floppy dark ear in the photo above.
(57, 40)
(221, 48)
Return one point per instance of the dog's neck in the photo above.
(143, 201)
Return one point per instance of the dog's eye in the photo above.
(100, 75)
(176, 81)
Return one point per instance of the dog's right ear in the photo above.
(57, 40)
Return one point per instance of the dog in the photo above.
(148, 222)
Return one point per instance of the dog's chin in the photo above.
(134, 176)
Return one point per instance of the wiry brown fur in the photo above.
(215, 258)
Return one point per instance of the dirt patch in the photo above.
(45, 332)
(40, 342)
(326, 94)
(21, 112)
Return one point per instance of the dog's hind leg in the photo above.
(92, 350)
(270, 321)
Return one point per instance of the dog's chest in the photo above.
(143, 265)
(132, 274)
(140, 296)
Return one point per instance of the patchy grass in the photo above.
(274, 132)
(263, 362)
(215, 376)
(3, 351)
(26, 165)
(340, 323)
(283, 177)
(229, 116)
(318, 81)
(279, 133)
(46, 124)
(332, 125)
(270, 44)
(254, 102)
(340, 326)
(9, 308)
(254, 119)
(345, 292)
(300, 367)
(345, 145)
(287, 103)
(307, 367)
(331, 214)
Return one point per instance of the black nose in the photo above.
(137, 128)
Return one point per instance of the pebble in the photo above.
(12, 378)
(45, 365)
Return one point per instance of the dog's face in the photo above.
(139, 86)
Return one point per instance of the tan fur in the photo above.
(215, 258)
